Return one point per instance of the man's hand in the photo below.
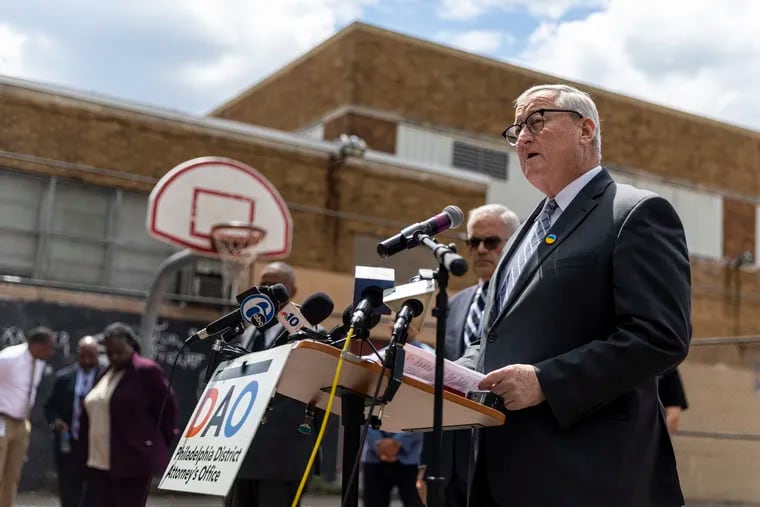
(387, 449)
(60, 425)
(517, 384)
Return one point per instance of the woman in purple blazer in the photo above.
(127, 443)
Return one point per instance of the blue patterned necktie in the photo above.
(528, 249)
(474, 316)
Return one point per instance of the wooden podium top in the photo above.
(309, 373)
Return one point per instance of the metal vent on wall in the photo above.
(480, 160)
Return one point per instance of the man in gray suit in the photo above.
(591, 302)
(488, 229)
(271, 471)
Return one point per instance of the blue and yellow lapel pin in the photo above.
(551, 238)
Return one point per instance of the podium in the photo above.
(309, 373)
(304, 371)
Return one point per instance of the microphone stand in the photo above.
(214, 357)
(448, 262)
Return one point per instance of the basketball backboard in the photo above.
(203, 192)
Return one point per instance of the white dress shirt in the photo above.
(15, 377)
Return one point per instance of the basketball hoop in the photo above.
(235, 243)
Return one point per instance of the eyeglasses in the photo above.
(491, 242)
(535, 123)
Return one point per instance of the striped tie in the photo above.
(543, 223)
(472, 325)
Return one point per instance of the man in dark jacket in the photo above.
(63, 410)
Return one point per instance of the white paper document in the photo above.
(420, 364)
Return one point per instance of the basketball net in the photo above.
(235, 243)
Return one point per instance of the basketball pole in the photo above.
(158, 287)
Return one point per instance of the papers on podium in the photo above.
(420, 364)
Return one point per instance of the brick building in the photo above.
(75, 170)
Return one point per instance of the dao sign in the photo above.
(224, 423)
(220, 418)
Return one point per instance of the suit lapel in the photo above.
(456, 339)
(571, 218)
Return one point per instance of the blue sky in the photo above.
(191, 55)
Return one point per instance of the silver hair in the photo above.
(569, 97)
(507, 216)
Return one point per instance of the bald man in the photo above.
(63, 410)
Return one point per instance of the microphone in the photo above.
(450, 218)
(315, 308)
(410, 309)
(341, 329)
(339, 332)
(259, 304)
(372, 297)
(421, 290)
(369, 283)
(257, 307)
(395, 354)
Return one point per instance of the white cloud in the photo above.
(15, 45)
(686, 54)
(475, 41)
(11, 44)
(255, 38)
(192, 54)
(553, 9)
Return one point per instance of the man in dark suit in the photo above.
(591, 303)
(488, 229)
(63, 411)
(271, 471)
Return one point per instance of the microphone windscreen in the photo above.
(367, 281)
(278, 292)
(317, 308)
(455, 215)
(346, 316)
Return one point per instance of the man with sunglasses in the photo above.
(590, 303)
(489, 227)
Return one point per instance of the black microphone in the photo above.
(339, 332)
(450, 218)
(409, 310)
(371, 297)
(257, 307)
(315, 308)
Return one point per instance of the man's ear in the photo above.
(588, 129)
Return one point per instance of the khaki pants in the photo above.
(12, 452)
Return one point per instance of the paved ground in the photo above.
(47, 500)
